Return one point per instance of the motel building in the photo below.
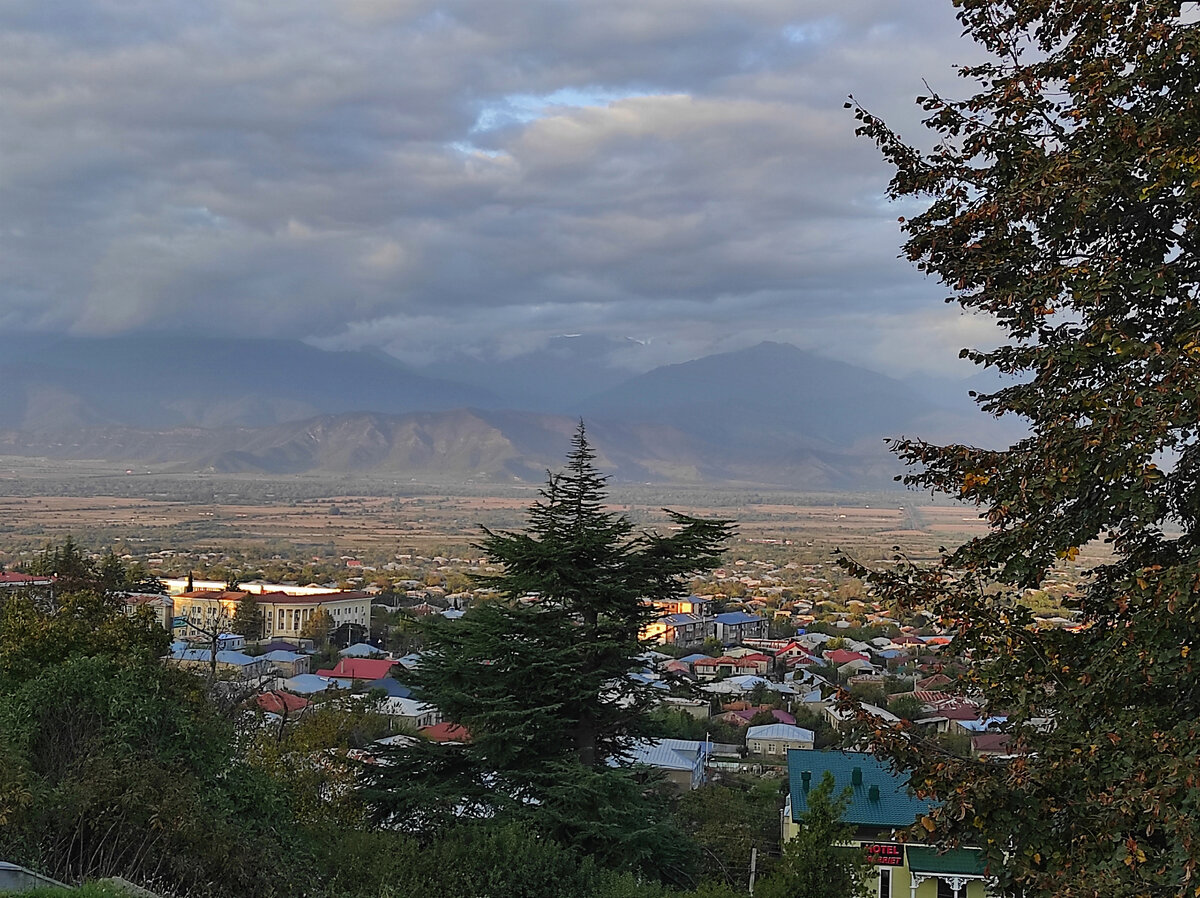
(283, 615)
(881, 805)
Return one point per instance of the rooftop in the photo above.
(889, 804)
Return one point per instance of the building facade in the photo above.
(282, 614)
(880, 806)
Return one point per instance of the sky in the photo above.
(481, 177)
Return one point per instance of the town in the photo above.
(767, 676)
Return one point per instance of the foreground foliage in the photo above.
(1066, 206)
(541, 681)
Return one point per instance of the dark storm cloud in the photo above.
(424, 176)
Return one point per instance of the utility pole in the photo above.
(753, 867)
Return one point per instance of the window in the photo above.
(944, 890)
(885, 883)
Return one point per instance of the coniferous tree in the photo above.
(247, 618)
(540, 679)
(1065, 203)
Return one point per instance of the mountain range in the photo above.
(772, 414)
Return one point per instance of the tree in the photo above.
(318, 626)
(907, 707)
(729, 821)
(70, 567)
(817, 863)
(540, 678)
(114, 764)
(247, 618)
(1065, 204)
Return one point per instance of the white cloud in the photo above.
(486, 174)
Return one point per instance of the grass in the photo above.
(91, 890)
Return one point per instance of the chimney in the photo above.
(190, 583)
(873, 793)
(805, 779)
(856, 776)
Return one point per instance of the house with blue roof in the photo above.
(775, 740)
(309, 684)
(362, 650)
(680, 761)
(285, 663)
(881, 806)
(733, 627)
(240, 664)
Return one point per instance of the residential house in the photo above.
(698, 605)
(761, 662)
(309, 684)
(774, 740)
(447, 733)
(361, 650)
(880, 805)
(734, 626)
(282, 703)
(713, 668)
(390, 686)
(682, 629)
(13, 580)
(230, 642)
(241, 665)
(741, 717)
(838, 657)
(842, 719)
(681, 761)
(694, 707)
(347, 670)
(286, 664)
(410, 715)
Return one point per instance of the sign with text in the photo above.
(884, 854)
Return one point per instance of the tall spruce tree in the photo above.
(1065, 203)
(541, 680)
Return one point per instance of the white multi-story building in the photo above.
(283, 615)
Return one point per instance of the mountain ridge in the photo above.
(771, 414)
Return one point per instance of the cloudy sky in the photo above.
(429, 177)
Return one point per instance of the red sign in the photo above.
(884, 854)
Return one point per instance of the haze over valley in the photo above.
(771, 414)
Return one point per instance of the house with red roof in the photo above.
(712, 668)
(280, 702)
(793, 649)
(761, 662)
(838, 657)
(359, 669)
(445, 732)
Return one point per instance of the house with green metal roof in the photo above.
(881, 805)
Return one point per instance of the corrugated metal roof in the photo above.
(927, 859)
(737, 617)
(666, 754)
(780, 731)
(896, 805)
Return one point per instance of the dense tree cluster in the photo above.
(1064, 202)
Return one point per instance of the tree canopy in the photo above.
(541, 678)
(818, 862)
(247, 618)
(1064, 202)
